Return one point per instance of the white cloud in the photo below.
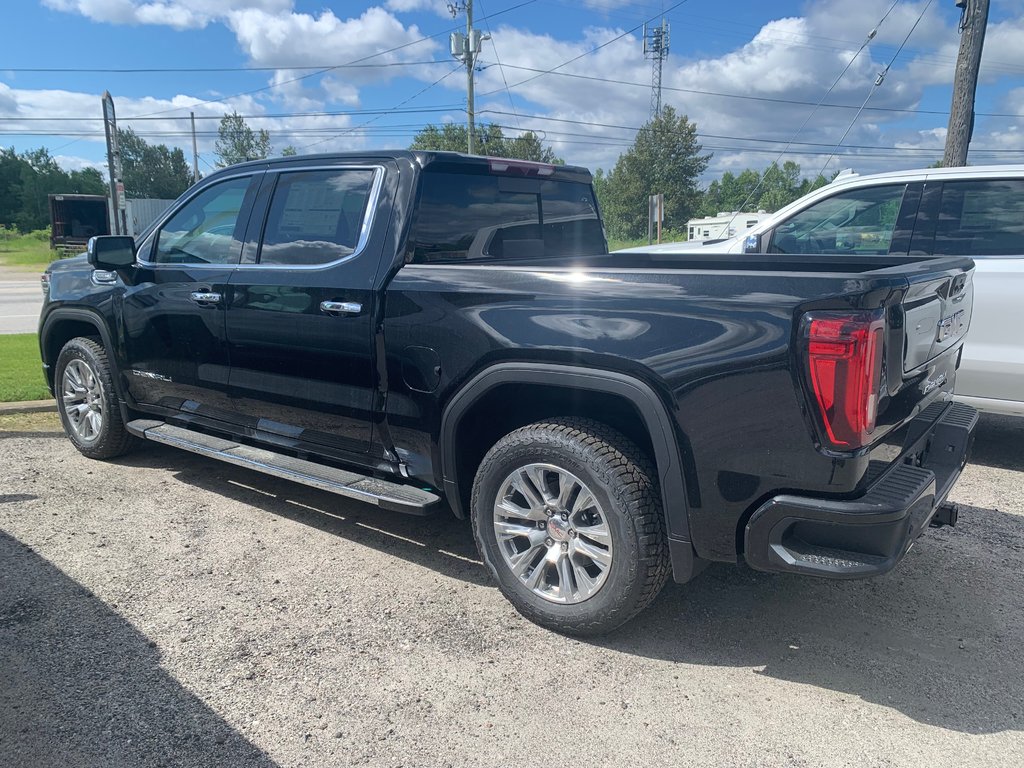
(180, 14)
(406, 6)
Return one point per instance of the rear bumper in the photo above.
(867, 536)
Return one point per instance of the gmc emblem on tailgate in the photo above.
(950, 326)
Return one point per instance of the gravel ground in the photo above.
(170, 610)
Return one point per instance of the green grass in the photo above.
(21, 372)
(29, 251)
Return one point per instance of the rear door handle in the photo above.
(341, 307)
(205, 297)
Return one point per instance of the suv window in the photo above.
(207, 230)
(316, 217)
(467, 217)
(857, 221)
(981, 218)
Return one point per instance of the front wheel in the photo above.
(568, 520)
(87, 402)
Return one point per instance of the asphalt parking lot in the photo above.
(170, 610)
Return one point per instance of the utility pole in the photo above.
(117, 197)
(656, 49)
(973, 21)
(195, 150)
(466, 48)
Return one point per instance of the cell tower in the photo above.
(656, 49)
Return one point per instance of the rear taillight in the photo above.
(844, 368)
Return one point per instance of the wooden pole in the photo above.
(965, 82)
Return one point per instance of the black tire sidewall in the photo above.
(622, 586)
(112, 437)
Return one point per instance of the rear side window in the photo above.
(208, 228)
(981, 218)
(857, 221)
(463, 217)
(316, 217)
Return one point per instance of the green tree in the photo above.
(152, 171)
(490, 141)
(237, 142)
(665, 158)
(10, 186)
(289, 151)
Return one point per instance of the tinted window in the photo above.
(858, 221)
(316, 216)
(207, 230)
(464, 216)
(981, 218)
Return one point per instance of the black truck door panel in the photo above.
(300, 326)
(175, 352)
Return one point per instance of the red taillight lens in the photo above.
(844, 361)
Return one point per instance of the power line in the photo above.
(877, 84)
(501, 69)
(171, 70)
(590, 51)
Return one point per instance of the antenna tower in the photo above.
(656, 49)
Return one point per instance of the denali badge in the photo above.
(950, 326)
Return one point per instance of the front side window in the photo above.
(207, 230)
(465, 216)
(981, 218)
(859, 221)
(316, 217)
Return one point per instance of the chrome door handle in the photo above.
(341, 307)
(205, 297)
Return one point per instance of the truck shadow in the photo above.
(439, 542)
(937, 639)
(999, 442)
(82, 686)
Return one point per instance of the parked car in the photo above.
(412, 328)
(976, 211)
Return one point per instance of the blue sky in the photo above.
(748, 73)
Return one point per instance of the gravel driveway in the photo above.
(171, 610)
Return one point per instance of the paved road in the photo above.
(167, 610)
(20, 301)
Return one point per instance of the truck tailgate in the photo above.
(937, 314)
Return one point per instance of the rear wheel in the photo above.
(87, 402)
(568, 520)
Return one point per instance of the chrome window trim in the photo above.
(364, 232)
(172, 210)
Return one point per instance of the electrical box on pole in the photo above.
(466, 48)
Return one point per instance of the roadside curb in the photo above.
(28, 406)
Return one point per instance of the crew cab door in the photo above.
(300, 326)
(175, 350)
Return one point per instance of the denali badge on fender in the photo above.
(950, 326)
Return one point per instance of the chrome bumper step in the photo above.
(384, 493)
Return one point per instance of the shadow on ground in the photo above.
(999, 442)
(79, 685)
(938, 639)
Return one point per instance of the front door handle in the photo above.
(341, 307)
(205, 297)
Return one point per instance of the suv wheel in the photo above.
(87, 402)
(567, 518)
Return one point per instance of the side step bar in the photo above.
(384, 493)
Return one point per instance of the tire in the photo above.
(87, 400)
(612, 555)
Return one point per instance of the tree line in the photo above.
(665, 157)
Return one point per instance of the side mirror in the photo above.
(111, 252)
(752, 244)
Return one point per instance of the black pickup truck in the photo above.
(419, 329)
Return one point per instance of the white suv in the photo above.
(975, 211)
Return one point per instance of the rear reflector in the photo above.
(844, 367)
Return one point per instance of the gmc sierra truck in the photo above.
(419, 330)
